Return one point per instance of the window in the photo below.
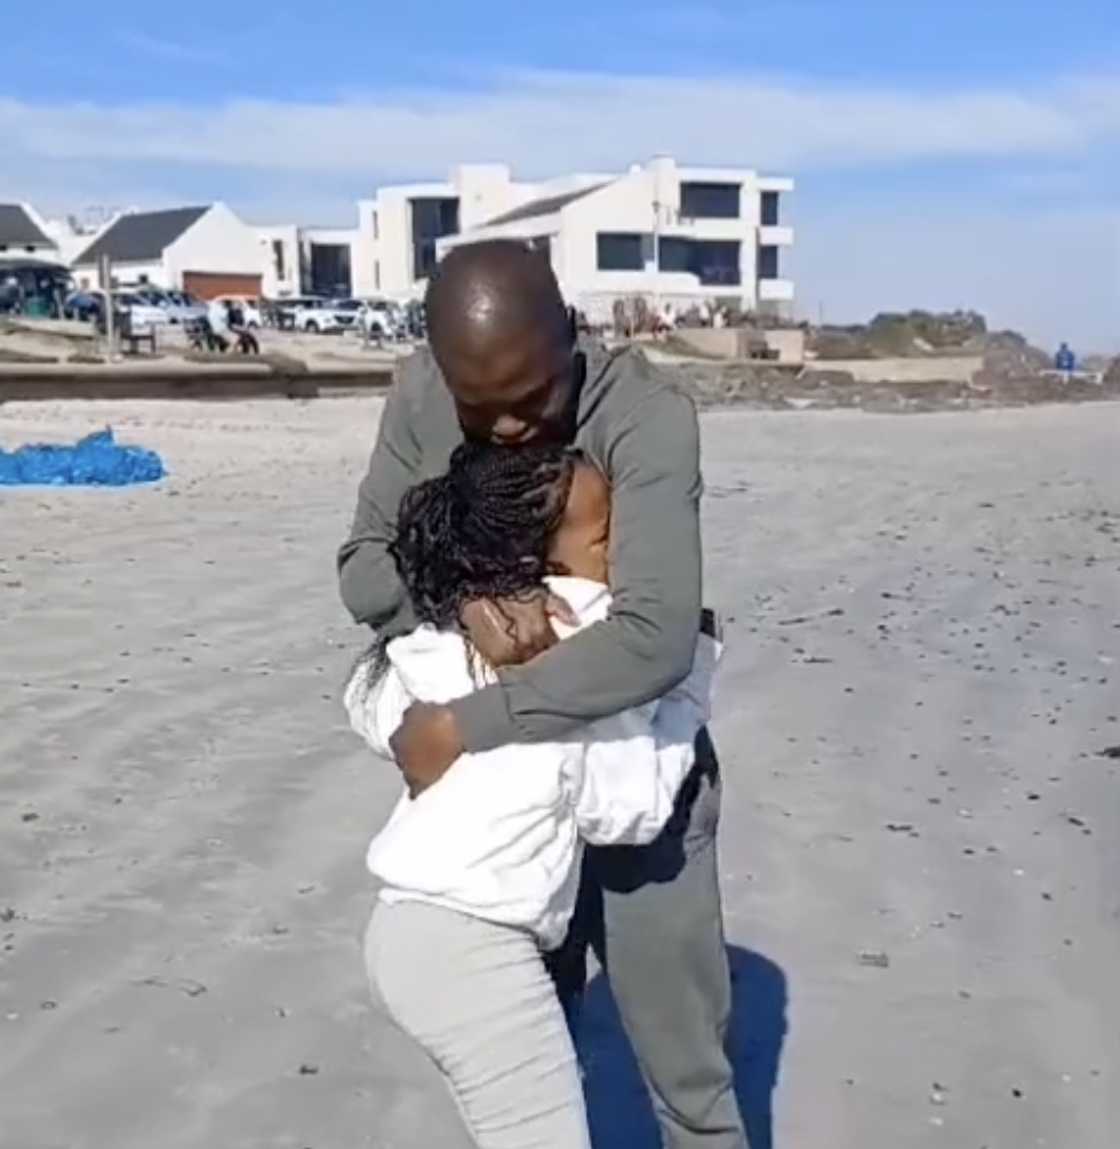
(770, 212)
(374, 223)
(620, 251)
(715, 263)
(329, 267)
(278, 257)
(431, 220)
(768, 262)
(709, 201)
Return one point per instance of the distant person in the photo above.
(1065, 360)
(505, 368)
(219, 335)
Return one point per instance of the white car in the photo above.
(249, 308)
(380, 319)
(143, 315)
(315, 317)
(184, 308)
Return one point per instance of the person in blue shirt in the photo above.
(1065, 360)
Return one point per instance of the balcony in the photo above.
(775, 236)
(775, 290)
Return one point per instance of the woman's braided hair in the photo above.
(482, 529)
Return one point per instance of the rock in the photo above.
(876, 959)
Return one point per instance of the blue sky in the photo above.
(948, 154)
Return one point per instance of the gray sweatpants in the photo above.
(653, 916)
(477, 998)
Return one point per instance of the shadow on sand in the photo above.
(621, 1117)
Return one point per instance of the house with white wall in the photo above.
(680, 234)
(673, 234)
(207, 251)
(23, 234)
(399, 229)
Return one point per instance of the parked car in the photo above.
(282, 312)
(184, 308)
(178, 307)
(250, 308)
(346, 312)
(380, 319)
(142, 313)
(83, 305)
(317, 316)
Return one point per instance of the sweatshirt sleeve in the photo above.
(376, 706)
(646, 645)
(371, 589)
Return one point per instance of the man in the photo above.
(505, 367)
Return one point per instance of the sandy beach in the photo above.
(921, 830)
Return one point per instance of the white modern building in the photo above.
(678, 234)
(279, 260)
(207, 251)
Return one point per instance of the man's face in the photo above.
(513, 388)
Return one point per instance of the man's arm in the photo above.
(371, 588)
(647, 644)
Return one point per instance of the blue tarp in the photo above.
(97, 460)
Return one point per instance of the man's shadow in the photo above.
(617, 1102)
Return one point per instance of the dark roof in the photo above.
(141, 236)
(548, 206)
(19, 229)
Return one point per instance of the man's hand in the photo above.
(510, 631)
(425, 745)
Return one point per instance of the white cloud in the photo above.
(545, 122)
(1051, 274)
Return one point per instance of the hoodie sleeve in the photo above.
(635, 762)
(376, 708)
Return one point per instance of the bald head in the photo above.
(500, 284)
(500, 333)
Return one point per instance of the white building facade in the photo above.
(681, 235)
(207, 251)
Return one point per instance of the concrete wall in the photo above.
(736, 342)
(218, 242)
(955, 368)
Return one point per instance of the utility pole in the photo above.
(105, 273)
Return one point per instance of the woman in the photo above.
(480, 871)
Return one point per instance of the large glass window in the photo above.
(431, 220)
(709, 201)
(714, 262)
(768, 262)
(770, 209)
(620, 251)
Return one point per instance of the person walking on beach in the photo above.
(505, 368)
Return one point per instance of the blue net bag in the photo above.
(98, 460)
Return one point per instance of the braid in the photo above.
(482, 529)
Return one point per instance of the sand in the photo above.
(921, 835)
